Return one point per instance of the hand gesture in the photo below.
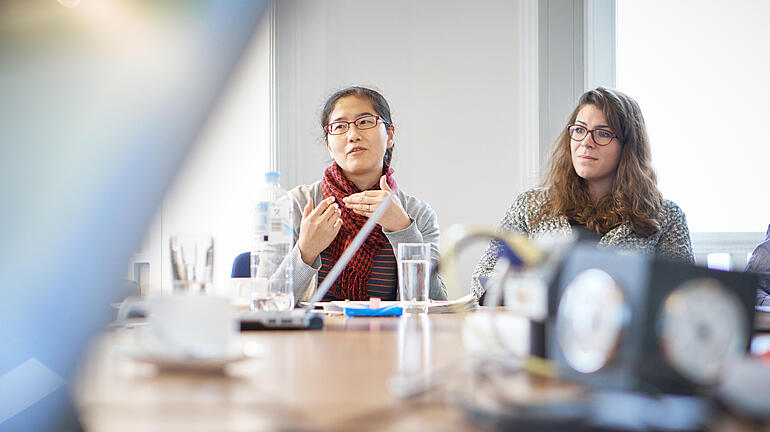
(366, 203)
(318, 229)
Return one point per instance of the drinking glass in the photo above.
(192, 263)
(414, 275)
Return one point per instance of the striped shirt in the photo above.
(383, 279)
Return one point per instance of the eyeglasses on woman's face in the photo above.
(601, 137)
(362, 123)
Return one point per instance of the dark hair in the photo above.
(379, 103)
(634, 196)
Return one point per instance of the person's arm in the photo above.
(320, 225)
(304, 275)
(423, 229)
(675, 239)
(759, 263)
(514, 220)
(763, 299)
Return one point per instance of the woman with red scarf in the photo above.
(359, 135)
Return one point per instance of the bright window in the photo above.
(699, 70)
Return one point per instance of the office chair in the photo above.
(241, 266)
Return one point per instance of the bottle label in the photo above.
(272, 223)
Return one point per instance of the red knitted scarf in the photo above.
(352, 282)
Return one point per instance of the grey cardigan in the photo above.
(672, 241)
(424, 229)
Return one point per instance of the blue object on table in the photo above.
(394, 310)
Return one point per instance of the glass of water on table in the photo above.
(414, 276)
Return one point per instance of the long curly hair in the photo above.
(634, 196)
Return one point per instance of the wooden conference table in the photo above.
(333, 379)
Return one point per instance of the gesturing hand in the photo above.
(366, 203)
(318, 228)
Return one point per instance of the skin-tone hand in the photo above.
(318, 229)
(366, 203)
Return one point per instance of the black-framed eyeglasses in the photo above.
(362, 123)
(601, 137)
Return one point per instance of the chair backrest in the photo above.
(241, 266)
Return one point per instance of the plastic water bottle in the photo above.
(272, 242)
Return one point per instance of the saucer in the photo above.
(186, 360)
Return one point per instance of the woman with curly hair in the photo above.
(600, 182)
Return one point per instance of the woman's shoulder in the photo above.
(675, 234)
(524, 209)
(411, 200)
(673, 219)
(671, 211)
(414, 206)
(534, 197)
(302, 193)
(669, 205)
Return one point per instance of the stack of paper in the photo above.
(462, 304)
(465, 303)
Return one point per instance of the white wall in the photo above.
(211, 193)
(461, 79)
(452, 73)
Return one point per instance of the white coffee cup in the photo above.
(189, 326)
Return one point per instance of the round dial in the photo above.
(702, 324)
(590, 319)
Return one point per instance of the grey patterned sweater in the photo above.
(673, 239)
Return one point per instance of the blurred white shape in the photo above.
(496, 334)
(719, 261)
(25, 385)
(526, 294)
(69, 3)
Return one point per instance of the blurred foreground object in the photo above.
(651, 344)
(516, 248)
(101, 100)
(628, 322)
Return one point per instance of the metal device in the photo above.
(626, 321)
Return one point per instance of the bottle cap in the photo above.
(273, 177)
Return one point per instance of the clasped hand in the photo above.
(366, 203)
(320, 225)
